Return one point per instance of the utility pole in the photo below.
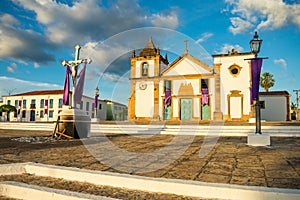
(297, 98)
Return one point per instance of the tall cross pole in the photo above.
(74, 68)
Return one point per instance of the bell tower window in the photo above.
(145, 69)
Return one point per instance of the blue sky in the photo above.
(37, 35)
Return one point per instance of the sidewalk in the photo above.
(230, 160)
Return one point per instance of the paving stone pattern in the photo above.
(229, 161)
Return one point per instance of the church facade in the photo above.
(188, 89)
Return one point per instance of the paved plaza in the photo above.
(229, 160)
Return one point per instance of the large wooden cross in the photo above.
(74, 68)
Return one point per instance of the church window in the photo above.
(145, 68)
(234, 70)
(167, 85)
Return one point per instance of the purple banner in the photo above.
(256, 64)
(66, 87)
(80, 85)
(205, 97)
(167, 98)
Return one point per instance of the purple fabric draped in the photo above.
(167, 98)
(205, 96)
(96, 101)
(80, 85)
(256, 64)
(66, 87)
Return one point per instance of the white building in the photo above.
(44, 106)
(275, 105)
(193, 90)
(190, 90)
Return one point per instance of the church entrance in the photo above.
(186, 109)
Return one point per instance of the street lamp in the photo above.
(255, 45)
(96, 100)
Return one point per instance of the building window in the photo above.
(24, 103)
(81, 105)
(51, 114)
(42, 105)
(145, 69)
(262, 104)
(87, 106)
(16, 103)
(100, 106)
(24, 114)
(15, 114)
(51, 103)
(167, 85)
(8, 102)
(60, 101)
(41, 114)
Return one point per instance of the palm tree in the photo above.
(267, 81)
(7, 109)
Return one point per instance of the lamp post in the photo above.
(96, 100)
(255, 45)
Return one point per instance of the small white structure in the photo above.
(44, 106)
(275, 106)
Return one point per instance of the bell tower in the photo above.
(145, 71)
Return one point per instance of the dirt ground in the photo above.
(229, 160)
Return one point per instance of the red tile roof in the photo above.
(274, 93)
(41, 92)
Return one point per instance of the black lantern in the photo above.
(255, 44)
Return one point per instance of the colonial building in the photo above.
(44, 106)
(189, 89)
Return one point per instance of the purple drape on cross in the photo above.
(204, 96)
(167, 98)
(66, 87)
(256, 64)
(80, 85)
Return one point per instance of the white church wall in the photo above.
(175, 108)
(186, 67)
(160, 100)
(144, 106)
(229, 82)
(212, 96)
(196, 107)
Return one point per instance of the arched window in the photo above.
(145, 68)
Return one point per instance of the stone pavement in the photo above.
(227, 159)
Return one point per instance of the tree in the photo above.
(267, 81)
(7, 109)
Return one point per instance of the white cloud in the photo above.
(204, 37)
(36, 65)
(226, 48)
(167, 21)
(12, 68)
(262, 14)
(281, 62)
(20, 85)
